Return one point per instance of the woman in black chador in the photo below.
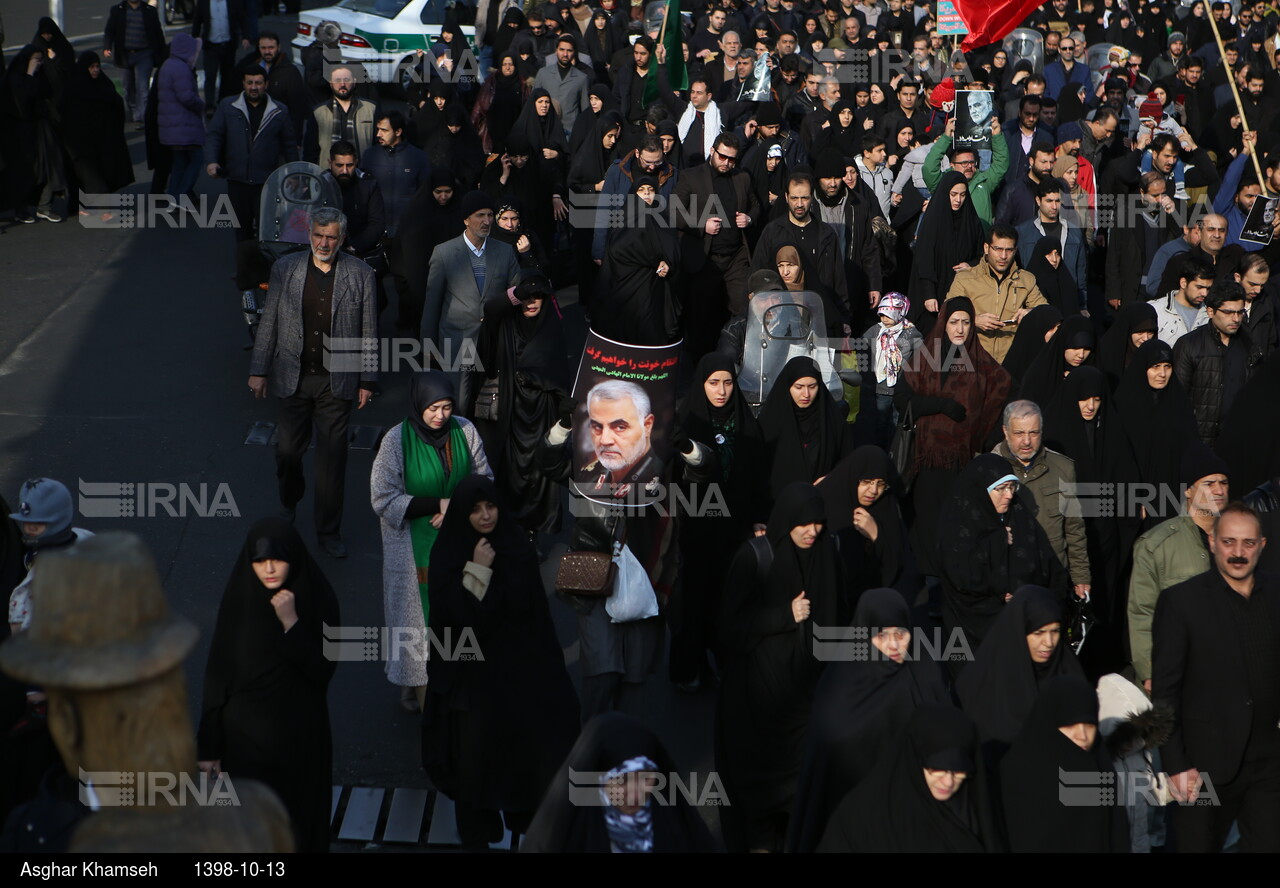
(595, 803)
(780, 590)
(1060, 738)
(715, 415)
(1157, 416)
(1081, 423)
(992, 545)
(266, 713)
(634, 300)
(523, 347)
(860, 707)
(1024, 649)
(931, 796)
(864, 514)
(495, 725)
(804, 426)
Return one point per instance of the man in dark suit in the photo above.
(714, 205)
(1216, 663)
(134, 40)
(317, 341)
(466, 273)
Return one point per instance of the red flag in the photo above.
(992, 20)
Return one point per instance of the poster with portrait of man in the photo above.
(622, 440)
(1260, 225)
(975, 109)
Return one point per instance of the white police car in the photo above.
(383, 34)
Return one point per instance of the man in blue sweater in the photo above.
(400, 170)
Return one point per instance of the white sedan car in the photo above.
(381, 34)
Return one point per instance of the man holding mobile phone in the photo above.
(1001, 292)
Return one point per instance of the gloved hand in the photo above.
(955, 410)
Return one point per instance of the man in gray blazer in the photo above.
(317, 341)
(466, 273)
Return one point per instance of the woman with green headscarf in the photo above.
(420, 462)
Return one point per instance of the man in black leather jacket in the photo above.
(1213, 362)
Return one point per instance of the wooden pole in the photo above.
(1235, 93)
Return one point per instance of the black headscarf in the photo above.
(860, 707)
(591, 161)
(606, 742)
(1098, 447)
(727, 428)
(845, 139)
(585, 125)
(1058, 287)
(893, 809)
(428, 387)
(1000, 687)
(512, 22)
(1160, 424)
(1035, 771)
(878, 563)
(541, 132)
(1070, 104)
(1049, 368)
(978, 565)
(1116, 349)
(1030, 341)
(945, 239)
(247, 641)
(804, 444)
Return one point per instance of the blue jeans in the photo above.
(485, 61)
(185, 171)
(136, 71)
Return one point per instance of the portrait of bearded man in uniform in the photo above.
(620, 420)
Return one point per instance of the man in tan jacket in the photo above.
(1001, 292)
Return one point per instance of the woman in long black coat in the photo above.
(574, 817)
(778, 593)
(265, 711)
(523, 347)
(990, 544)
(860, 707)
(715, 415)
(495, 725)
(634, 301)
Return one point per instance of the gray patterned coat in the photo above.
(401, 602)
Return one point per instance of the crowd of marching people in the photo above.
(1002, 516)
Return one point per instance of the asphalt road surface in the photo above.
(123, 360)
